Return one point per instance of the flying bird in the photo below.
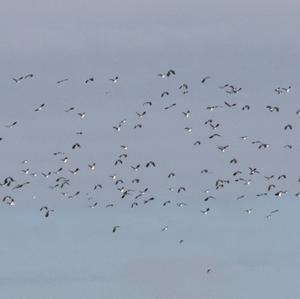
(205, 78)
(40, 107)
(11, 125)
(114, 79)
(89, 80)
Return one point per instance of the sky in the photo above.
(73, 252)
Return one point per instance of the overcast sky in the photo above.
(73, 253)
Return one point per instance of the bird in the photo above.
(273, 108)
(237, 172)
(181, 189)
(233, 90)
(92, 206)
(74, 195)
(205, 78)
(165, 228)
(280, 193)
(170, 106)
(114, 79)
(11, 125)
(119, 161)
(253, 170)
(170, 72)
(187, 114)
(17, 80)
(115, 228)
(214, 127)
(149, 103)
(166, 202)
(81, 114)
(205, 212)
(92, 166)
(183, 86)
(62, 80)
(119, 181)
(214, 135)
(271, 186)
(65, 159)
(167, 74)
(224, 86)
(18, 186)
(286, 89)
(233, 161)
(222, 148)
(70, 109)
(47, 211)
(74, 171)
(89, 80)
(40, 107)
(288, 126)
(76, 145)
(150, 163)
(171, 174)
(246, 107)
(28, 76)
(212, 108)
(141, 114)
(230, 105)
(134, 204)
(148, 200)
(209, 197)
(135, 168)
(8, 200)
(164, 93)
(117, 128)
(97, 186)
(271, 213)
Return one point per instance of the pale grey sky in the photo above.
(73, 253)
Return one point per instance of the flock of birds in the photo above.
(128, 187)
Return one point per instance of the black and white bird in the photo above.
(89, 80)
(114, 79)
(205, 79)
(47, 211)
(40, 107)
(62, 80)
(115, 228)
(11, 125)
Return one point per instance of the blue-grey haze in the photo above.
(73, 253)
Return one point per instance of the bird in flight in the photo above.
(114, 79)
(11, 125)
(89, 80)
(47, 211)
(61, 81)
(115, 228)
(167, 74)
(40, 107)
(17, 80)
(205, 79)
